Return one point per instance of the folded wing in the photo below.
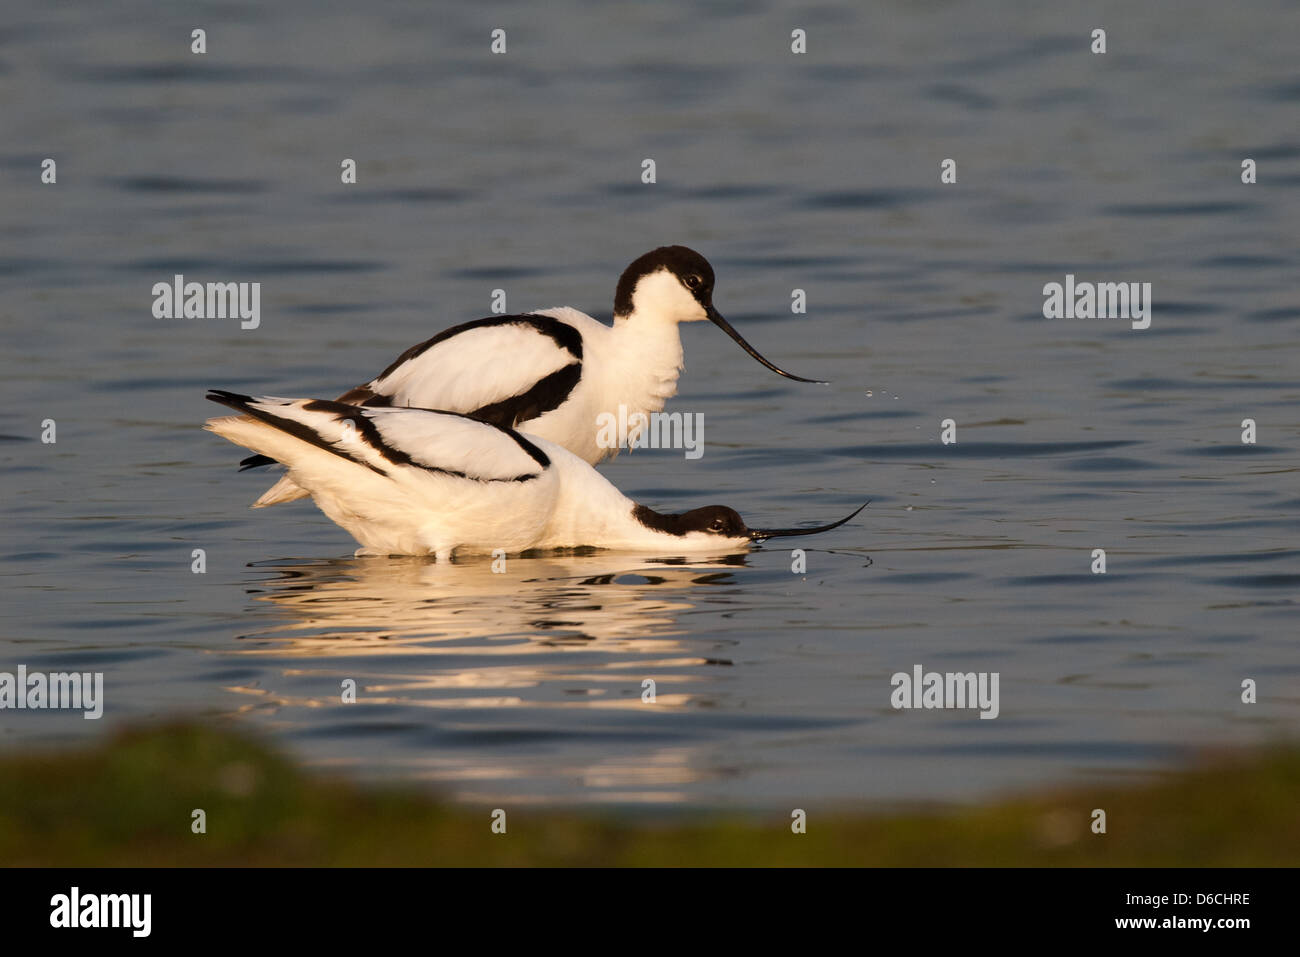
(381, 440)
(505, 369)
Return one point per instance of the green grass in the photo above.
(129, 803)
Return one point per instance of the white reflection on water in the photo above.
(571, 632)
(625, 608)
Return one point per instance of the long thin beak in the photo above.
(715, 317)
(759, 534)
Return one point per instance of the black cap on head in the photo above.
(686, 264)
(714, 519)
(725, 523)
(696, 275)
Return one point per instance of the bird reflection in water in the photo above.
(623, 611)
(489, 685)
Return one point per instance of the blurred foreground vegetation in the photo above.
(129, 803)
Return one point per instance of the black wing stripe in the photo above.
(563, 334)
(533, 451)
(364, 395)
(361, 395)
(544, 396)
(370, 433)
(547, 394)
(243, 403)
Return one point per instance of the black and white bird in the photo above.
(553, 372)
(407, 481)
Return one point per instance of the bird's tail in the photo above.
(285, 490)
(282, 429)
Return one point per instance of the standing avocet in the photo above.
(417, 482)
(551, 373)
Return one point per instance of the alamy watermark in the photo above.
(130, 911)
(36, 690)
(657, 430)
(932, 689)
(179, 299)
(1102, 300)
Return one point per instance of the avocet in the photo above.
(551, 373)
(420, 482)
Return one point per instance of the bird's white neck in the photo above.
(646, 361)
(591, 510)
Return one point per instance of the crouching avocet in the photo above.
(552, 373)
(420, 482)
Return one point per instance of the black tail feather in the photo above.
(255, 461)
(237, 401)
(244, 403)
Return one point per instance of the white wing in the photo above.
(381, 440)
(505, 369)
